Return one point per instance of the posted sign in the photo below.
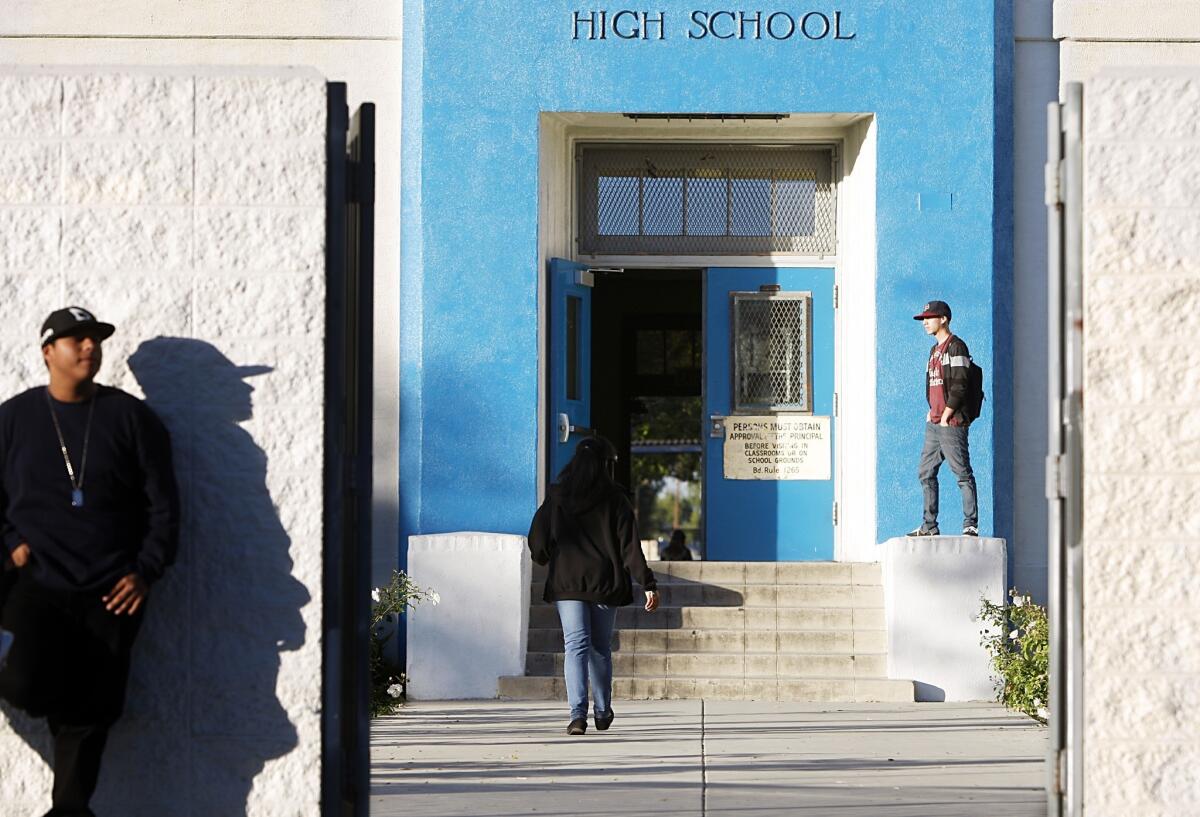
(778, 447)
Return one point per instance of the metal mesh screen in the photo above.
(772, 351)
(706, 199)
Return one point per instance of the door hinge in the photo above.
(1054, 183)
(1056, 487)
(835, 296)
(835, 404)
(1060, 772)
(835, 514)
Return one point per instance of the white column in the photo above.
(478, 631)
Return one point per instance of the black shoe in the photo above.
(923, 531)
(603, 723)
(577, 726)
(970, 530)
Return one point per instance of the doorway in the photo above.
(716, 387)
(646, 385)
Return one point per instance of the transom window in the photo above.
(700, 199)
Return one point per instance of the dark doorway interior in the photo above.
(647, 359)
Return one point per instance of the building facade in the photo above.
(575, 168)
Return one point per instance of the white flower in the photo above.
(1013, 635)
(1018, 601)
(434, 597)
(375, 595)
(395, 690)
(1043, 713)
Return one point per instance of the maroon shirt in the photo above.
(937, 392)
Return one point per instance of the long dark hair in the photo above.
(588, 478)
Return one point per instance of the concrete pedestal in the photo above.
(933, 588)
(460, 647)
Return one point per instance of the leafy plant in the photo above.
(1017, 640)
(388, 603)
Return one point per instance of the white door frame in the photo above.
(854, 270)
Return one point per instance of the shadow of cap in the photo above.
(162, 364)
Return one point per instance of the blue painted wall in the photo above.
(476, 77)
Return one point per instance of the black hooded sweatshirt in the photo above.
(592, 549)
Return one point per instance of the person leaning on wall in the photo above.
(586, 533)
(89, 517)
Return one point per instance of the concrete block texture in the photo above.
(145, 106)
(29, 239)
(128, 173)
(1141, 268)
(933, 587)
(187, 208)
(259, 108)
(30, 105)
(29, 172)
(461, 647)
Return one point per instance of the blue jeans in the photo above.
(587, 636)
(949, 444)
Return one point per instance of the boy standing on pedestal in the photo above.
(946, 390)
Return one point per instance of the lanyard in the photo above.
(76, 483)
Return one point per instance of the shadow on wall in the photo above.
(202, 716)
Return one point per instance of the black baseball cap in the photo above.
(72, 320)
(933, 309)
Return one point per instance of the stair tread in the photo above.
(735, 679)
(732, 607)
(739, 630)
(737, 653)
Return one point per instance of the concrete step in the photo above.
(726, 641)
(759, 595)
(544, 616)
(729, 574)
(722, 665)
(817, 690)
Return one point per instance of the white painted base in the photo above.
(478, 632)
(932, 591)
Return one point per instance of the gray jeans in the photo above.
(947, 443)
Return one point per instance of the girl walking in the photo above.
(586, 532)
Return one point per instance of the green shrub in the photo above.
(388, 603)
(1017, 640)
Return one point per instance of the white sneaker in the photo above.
(970, 530)
(6, 642)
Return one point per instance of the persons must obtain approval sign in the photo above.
(778, 447)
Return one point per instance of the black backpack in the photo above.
(975, 396)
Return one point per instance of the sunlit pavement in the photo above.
(727, 758)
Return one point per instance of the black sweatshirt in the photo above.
(591, 550)
(129, 521)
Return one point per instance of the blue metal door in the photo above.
(766, 519)
(570, 359)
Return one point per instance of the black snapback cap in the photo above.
(933, 309)
(74, 320)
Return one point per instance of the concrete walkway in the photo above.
(701, 758)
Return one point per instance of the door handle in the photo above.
(565, 429)
(716, 426)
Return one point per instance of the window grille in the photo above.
(706, 199)
(772, 352)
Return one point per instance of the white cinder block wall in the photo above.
(187, 207)
(1142, 444)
